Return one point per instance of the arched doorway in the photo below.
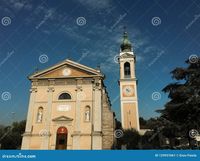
(61, 138)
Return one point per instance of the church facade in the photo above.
(69, 108)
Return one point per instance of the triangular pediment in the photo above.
(66, 69)
(62, 118)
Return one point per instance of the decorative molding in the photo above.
(81, 134)
(62, 118)
(97, 133)
(31, 134)
(51, 82)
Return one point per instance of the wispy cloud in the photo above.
(18, 4)
(96, 4)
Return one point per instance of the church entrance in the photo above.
(61, 138)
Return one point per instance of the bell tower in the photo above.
(128, 86)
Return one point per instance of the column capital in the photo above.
(50, 89)
(33, 90)
(78, 88)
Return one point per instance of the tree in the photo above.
(11, 136)
(143, 123)
(183, 110)
(130, 139)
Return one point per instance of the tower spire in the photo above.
(126, 44)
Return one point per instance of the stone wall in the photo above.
(108, 123)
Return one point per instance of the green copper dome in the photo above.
(126, 44)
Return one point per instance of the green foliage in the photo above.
(183, 109)
(11, 136)
(130, 138)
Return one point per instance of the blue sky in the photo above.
(163, 33)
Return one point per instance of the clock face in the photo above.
(66, 71)
(128, 90)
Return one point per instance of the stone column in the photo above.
(29, 120)
(77, 128)
(97, 115)
(48, 119)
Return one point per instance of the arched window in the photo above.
(127, 70)
(64, 96)
(40, 114)
(87, 113)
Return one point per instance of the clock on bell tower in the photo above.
(128, 86)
